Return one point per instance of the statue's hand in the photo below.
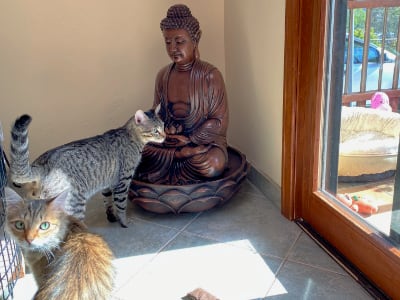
(174, 140)
(189, 151)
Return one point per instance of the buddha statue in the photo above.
(194, 109)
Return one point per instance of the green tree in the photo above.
(377, 26)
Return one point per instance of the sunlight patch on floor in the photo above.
(226, 270)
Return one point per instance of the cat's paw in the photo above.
(123, 225)
(122, 220)
(111, 216)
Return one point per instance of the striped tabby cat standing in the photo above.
(105, 162)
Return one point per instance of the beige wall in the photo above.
(254, 46)
(83, 67)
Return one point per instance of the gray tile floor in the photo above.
(242, 250)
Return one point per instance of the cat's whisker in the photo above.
(49, 255)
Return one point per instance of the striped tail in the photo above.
(20, 168)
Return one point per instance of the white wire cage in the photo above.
(10, 256)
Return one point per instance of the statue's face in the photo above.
(179, 45)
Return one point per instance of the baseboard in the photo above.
(266, 186)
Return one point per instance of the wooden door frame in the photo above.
(304, 25)
(303, 73)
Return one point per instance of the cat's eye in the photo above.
(19, 225)
(156, 131)
(44, 226)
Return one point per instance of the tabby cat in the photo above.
(105, 163)
(67, 262)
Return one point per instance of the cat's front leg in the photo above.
(109, 206)
(120, 196)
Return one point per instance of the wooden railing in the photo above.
(362, 95)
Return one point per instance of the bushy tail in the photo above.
(20, 168)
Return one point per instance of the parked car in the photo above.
(374, 57)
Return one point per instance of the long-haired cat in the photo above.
(67, 262)
(104, 162)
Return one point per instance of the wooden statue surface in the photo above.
(194, 169)
(195, 111)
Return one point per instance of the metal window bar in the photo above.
(397, 61)
(382, 58)
(10, 256)
(363, 81)
(350, 50)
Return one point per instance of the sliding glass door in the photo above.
(348, 200)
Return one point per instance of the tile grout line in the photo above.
(179, 232)
(227, 243)
(166, 226)
(352, 271)
(284, 260)
(318, 267)
(160, 249)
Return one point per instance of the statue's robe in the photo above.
(206, 124)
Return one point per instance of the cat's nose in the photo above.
(29, 239)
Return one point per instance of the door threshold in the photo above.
(349, 267)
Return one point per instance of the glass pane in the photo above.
(382, 35)
(361, 134)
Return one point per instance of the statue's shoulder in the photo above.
(163, 72)
(165, 69)
(204, 65)
(208, 69)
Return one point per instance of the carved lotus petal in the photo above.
(201, 191)
(146, 193)
(154, 205)
(160, 198)
(174, 198)
(227, 189)
(240, 178)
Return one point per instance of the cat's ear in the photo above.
(12, 196)
(157, 110)
(59, 201)
(140, 117)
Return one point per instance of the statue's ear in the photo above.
(140, 117)
(196, 48)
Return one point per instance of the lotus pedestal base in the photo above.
(197, 197)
